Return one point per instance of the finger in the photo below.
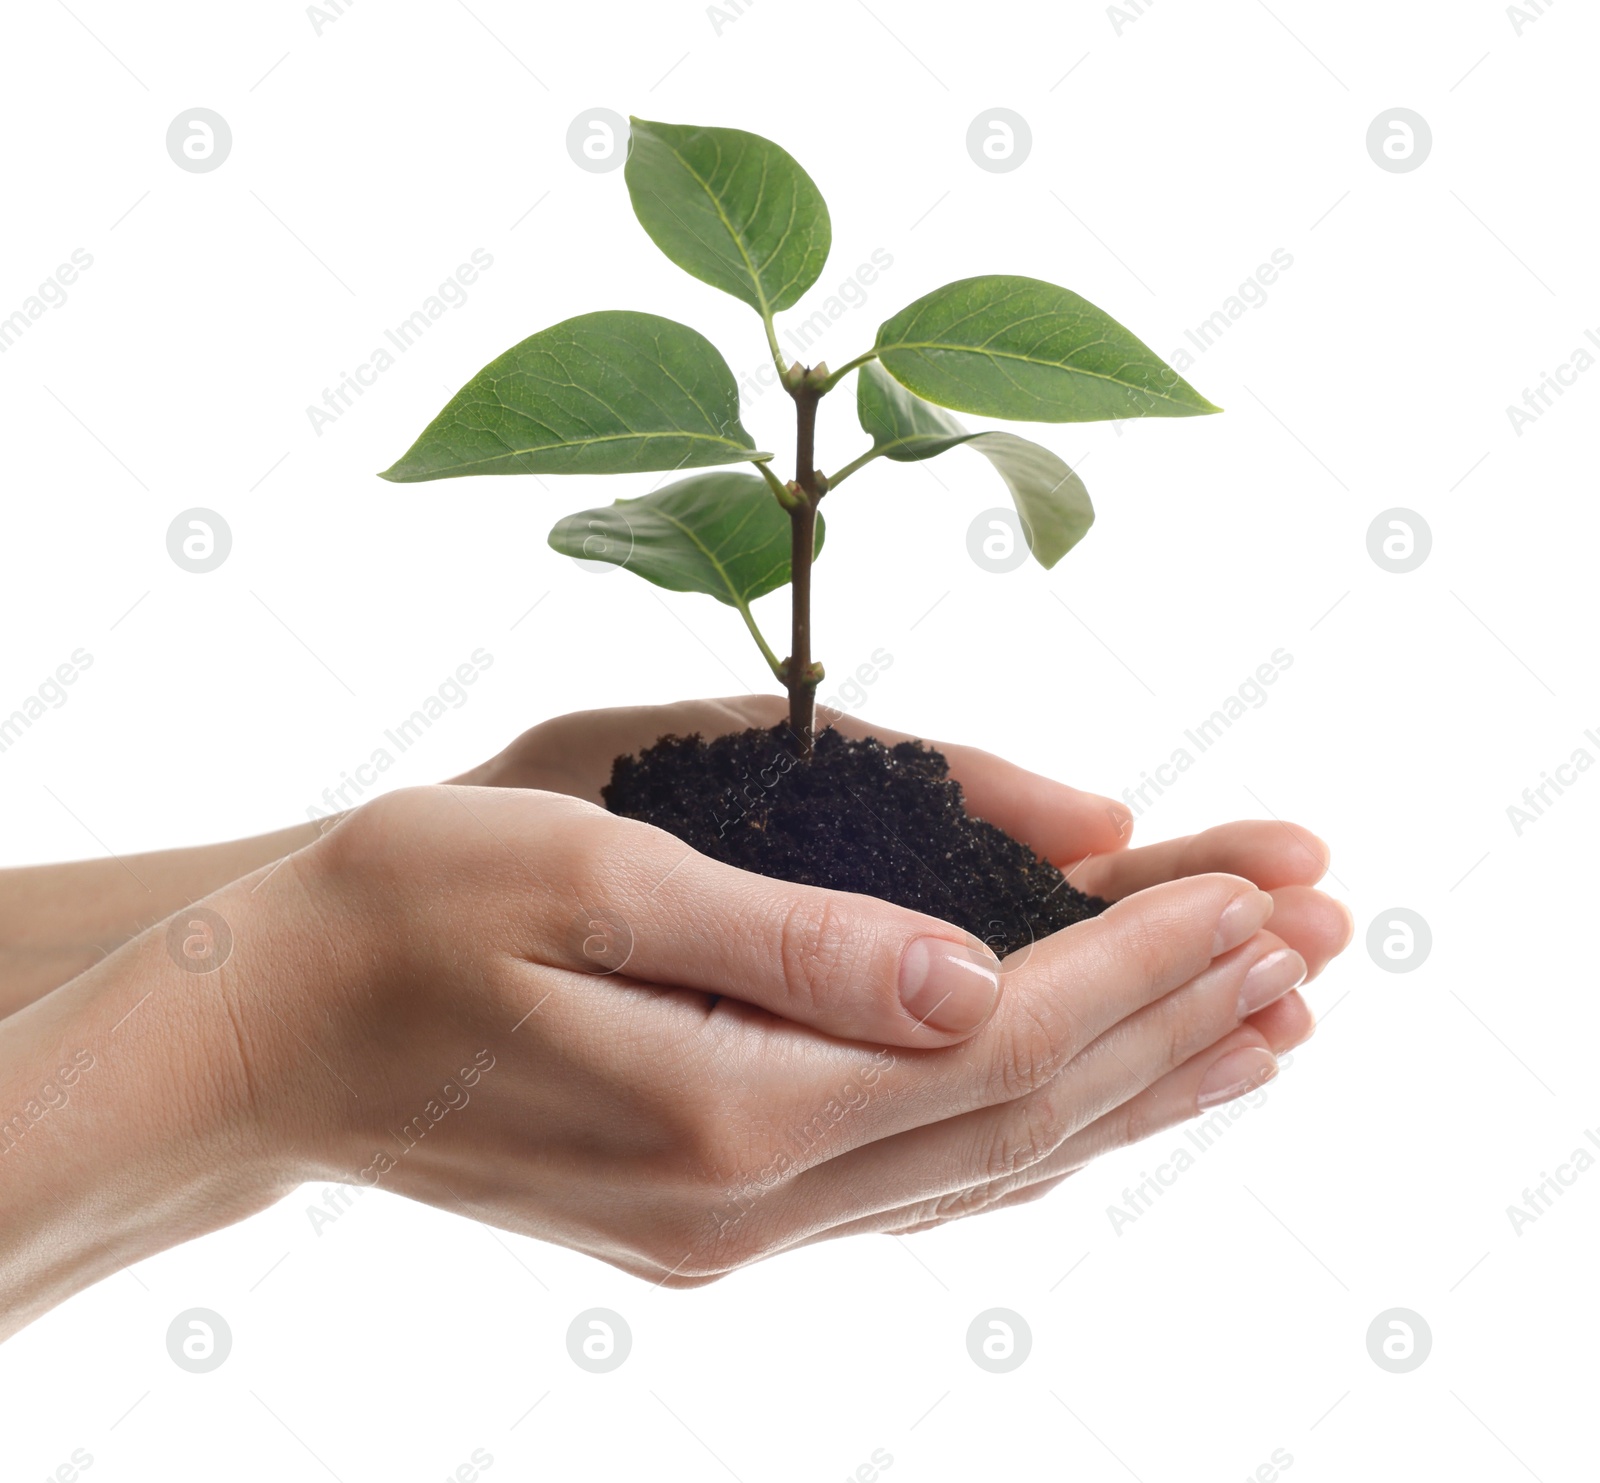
(573, 754)
(995, 1143)
(1317, 926)
(981, 1201)
(1267, 852)
(1028, 1193)
(926, 1216)
(1281, 1026)
(1070, 988)
(1238, 1065)
(1286, 1024)
(850, 965)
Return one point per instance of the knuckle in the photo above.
(586, 859)
(710, 1147)
(1026, 1134)
(814, 950)
(695, 1232)
(1135, 1121)
(707, 1243)
(679, 1282)
(1148, 942)
(372, 843)
(727, 1154)
(956, 1205)
(687, 1248)
(1179, 1035)
(1194, 1018)
(724, 1166)
(1028, 1193)
(993, 1194)
(369, 831)
(707, 1257)
(1035, 1047)
(963, 1202)
(1162, 931)
(606, 868)
(924, 1215)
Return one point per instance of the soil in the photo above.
(888, 821)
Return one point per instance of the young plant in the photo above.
(620, 392)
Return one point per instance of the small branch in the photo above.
(773, 662)
(774, 483)
(837, 376)
(834, 480)
(772, 344)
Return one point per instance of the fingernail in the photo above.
(1241, 919)
(1238, 1072)
(948, 986)
(1269, 979)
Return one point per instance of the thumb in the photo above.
(846, 964)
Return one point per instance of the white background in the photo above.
(368, 162)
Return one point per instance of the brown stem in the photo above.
(800, 674)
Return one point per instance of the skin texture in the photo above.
(495, 997)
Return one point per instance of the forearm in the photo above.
(57, 920)
(129, 1114)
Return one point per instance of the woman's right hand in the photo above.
(514, 1005)
(525, 1009)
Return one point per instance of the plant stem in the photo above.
(801, 676)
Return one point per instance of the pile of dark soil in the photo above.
(859, 816)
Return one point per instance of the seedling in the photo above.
(620, 392)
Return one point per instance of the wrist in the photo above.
(284, 1014)
(126, 1126)
(58, 920)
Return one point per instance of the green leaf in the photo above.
(902, 426)
(731, 208)
(1049, 496)
(721, 533)
(608, 393)
(1019, 348)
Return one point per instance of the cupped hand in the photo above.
(510, 1003)
(1086, 834)
(1284, 861)
(570, 1025)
